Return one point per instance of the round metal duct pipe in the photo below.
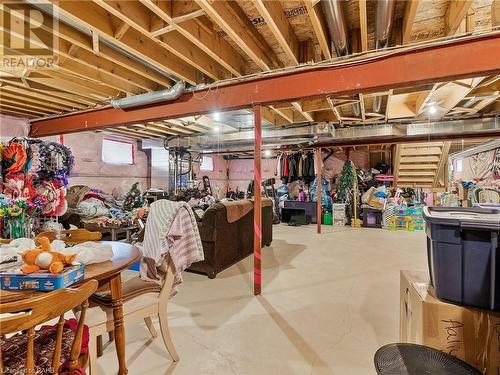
(385, 11)
(335, 20)
(151, 97)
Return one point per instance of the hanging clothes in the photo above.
(286, 170)
(292, 167)
(277, 172)
(301, 166)
(309, 170)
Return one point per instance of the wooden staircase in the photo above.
(421, 164)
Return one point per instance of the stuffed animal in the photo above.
(43, 258)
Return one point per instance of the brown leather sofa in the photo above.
(225, 240)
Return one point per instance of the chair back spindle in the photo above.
(56, 358)
(29, 313)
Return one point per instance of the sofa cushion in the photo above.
(207, 232)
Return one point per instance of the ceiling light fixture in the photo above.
(216, 116)
(267, 153)
(216, 129)
(432, 109)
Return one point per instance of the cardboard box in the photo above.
(42, 281)
(470, 334)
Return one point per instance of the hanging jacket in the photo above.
(286, 167)
(308, 171)
(292, 167)
(277, 172)
(301, 166)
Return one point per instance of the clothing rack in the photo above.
(294, 166)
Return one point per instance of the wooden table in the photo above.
(107, 274)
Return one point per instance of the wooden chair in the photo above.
(141, 301)
(73, 236)
(139, 235)
(31, 312)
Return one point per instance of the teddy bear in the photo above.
(43, 258)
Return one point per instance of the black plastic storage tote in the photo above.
(463, 254)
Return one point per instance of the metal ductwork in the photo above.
(383, 26)
(337, 26)
(335, 19)
(151, 97)
(377, 104)
(308, 135)
(385, 12)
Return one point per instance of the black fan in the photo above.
(411, 359)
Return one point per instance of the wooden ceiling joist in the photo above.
(77, 38)
(117, 132)
(26, 103)
(230, 18)
(15, 113)
(136, 15)
(94, 17)
(22, 109)
(132, 133)
(455, 14)
(319, 26)
(363, 25)
(34, 99)
(46, 92)
(75, 84)
(273, 14)
(88, 65)
(212, 44)
(298, 107)
(164, 129)
(410, 12)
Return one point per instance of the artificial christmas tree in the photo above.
(133, 199)
(346, 182)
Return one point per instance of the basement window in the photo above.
(117, 152)
(207, 164)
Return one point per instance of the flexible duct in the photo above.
(383, 26)
(151, 97)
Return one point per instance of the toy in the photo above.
(43, 258)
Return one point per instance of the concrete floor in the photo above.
(329, 302)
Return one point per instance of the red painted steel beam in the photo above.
(461, 58)
(319, 166)
(257, 208)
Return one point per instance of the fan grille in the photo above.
(411, 359)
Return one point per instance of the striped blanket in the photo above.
(171, 229)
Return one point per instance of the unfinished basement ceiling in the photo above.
(112, 49)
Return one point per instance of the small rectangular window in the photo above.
(459, 165)
(117, 152)
(207, 164)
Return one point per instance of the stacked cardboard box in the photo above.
(470, 334)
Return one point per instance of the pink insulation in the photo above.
(13, 126)
(90, 170)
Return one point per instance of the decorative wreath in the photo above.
(14, 158)
(56, 162)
